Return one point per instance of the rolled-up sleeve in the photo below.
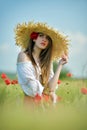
(27, 79)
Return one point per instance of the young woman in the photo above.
(41, 45)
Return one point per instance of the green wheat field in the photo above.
(70, 113)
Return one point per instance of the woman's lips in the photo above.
(43, 43)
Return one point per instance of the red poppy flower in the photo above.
(37, 98)
(84, 90)
(7, 81)
(59, 98)
(46, 97)
(59, 82)
(3, 76)
(69, 75)
(34, 35)
(14, 82)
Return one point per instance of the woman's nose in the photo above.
(44, 39)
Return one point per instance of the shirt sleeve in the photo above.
(27, 79)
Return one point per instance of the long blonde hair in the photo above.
(44, 57)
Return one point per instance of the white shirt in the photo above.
(27, 78)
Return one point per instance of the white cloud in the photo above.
(4, 47)
(8, 48)
(78, 43)
(79, 38)
(77, 52)
(8, 56)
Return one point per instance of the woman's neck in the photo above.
(36, 53)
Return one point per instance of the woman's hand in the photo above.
(64, 59)
(53, 97)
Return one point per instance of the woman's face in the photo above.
(41, 41)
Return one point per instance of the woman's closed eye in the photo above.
(41, 35)
(44, 36)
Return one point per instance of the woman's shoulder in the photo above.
(22, 57)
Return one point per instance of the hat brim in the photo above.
(23, 31)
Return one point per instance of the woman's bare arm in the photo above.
(53, 82)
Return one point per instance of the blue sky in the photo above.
(68, 16)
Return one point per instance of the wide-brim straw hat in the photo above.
(60, 41)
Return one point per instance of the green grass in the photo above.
(70, 113)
